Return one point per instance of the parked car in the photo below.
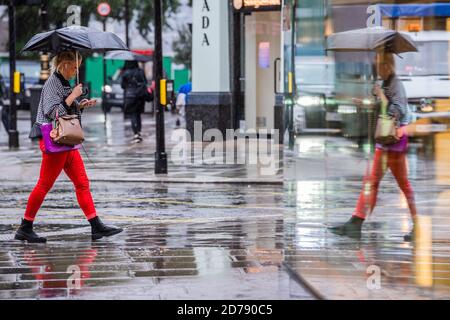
(315, 79)
(30, 71)
(113, 94)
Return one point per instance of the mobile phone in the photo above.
(85, 91)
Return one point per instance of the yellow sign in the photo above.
(16, 82)
(163, 92)
(290, 82)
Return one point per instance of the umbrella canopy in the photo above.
(127, 56)
(79, 38)
(371, 39)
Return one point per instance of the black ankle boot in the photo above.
(352, 228)
(100, 230)
(411, 235)
(25, 232)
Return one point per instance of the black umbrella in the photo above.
(78, 38)
(127, 56)
(371, 39)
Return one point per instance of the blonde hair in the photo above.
(64, 56)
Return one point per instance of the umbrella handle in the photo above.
(78, 76)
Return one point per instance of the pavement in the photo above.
(200, 232)
(323, 181)
(223, 231)
(111, 157)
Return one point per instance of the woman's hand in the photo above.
(77, 91)
(85, 103)
(378, 91)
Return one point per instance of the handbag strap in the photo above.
(55, 121)
(87, 155)
(384, 109)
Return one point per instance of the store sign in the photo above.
(210, 48)
(257, 5)
(206, 23)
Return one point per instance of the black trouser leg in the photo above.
(139, 122)
(134, 122)
(5, 119)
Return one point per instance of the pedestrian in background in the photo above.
(5, 109)
(182, 100)
(134, 84)
(59, 99)
(392, 97)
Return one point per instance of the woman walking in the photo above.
(393, 98)
(134, 83)
(58, 98)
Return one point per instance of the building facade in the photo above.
(263, 64)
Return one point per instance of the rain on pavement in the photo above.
(213, 240)
(220, 232)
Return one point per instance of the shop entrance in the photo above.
(262, 68)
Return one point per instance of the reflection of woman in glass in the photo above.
(393, 98)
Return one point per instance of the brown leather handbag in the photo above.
(67, 130)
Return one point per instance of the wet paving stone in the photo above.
(134, 265)
(222, 232)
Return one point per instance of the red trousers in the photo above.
(396, 162)
(51, 167)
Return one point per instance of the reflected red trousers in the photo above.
(383, 160)
(51, 167)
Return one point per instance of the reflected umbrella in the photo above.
(371, 39)
(127, 56)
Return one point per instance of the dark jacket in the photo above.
(132, 82)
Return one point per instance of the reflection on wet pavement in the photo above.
(143, 202)
(237, 259)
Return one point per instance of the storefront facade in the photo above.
(237, 65)
(263, 64)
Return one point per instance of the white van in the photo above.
(426, 74)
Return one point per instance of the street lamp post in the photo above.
(13, 133)
(36, 90)
(127, 22)
(160, 155)
(45, 73)
(105, 82)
